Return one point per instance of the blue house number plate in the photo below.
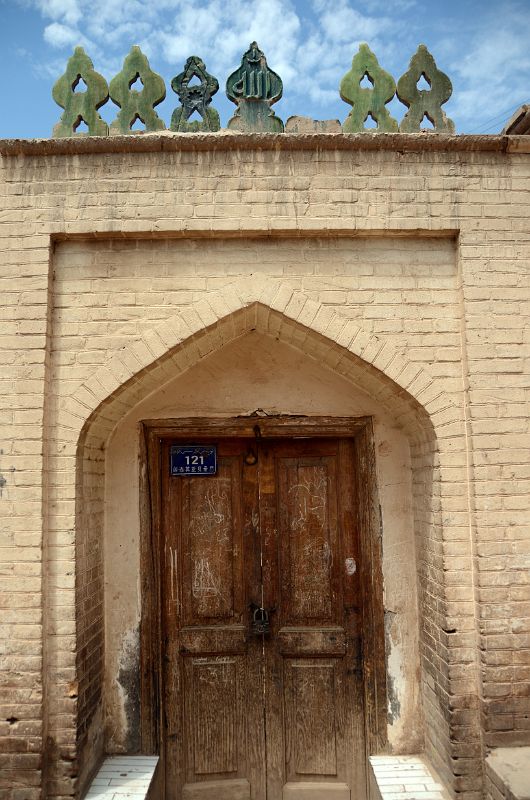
(193, 459)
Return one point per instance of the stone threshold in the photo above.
(123, 778)
(508, 773)
(405, 778)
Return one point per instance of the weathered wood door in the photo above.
(262, 716)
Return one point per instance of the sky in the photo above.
(482, 46)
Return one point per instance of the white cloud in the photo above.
(59, 35)
(309, 43)
(68, 11)
(491, 73)
(218, 30)
(342, 23)
(394, 6)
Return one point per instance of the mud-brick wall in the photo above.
(462, 321)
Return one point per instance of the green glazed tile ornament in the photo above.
(136, 104)
(195, 98)
(367, 102)
(80, 106)
(254, 87)
(424, 102)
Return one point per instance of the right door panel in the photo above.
(313, 694)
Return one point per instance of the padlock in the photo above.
(260, 621)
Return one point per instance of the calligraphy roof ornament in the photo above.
(195, 98)
(254, 87)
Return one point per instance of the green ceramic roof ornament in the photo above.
(368, 102)
(254, 87)
(80, 106)
(137, 104)
(424, 102)
(195, 98)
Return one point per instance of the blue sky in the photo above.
(482, 46)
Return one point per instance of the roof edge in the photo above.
(220, 141)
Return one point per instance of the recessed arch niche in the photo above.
(258, 359)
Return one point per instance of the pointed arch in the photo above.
(404, 389)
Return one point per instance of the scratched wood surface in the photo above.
(211, 539)
(311, 735)
(370, 533)
(246, 715)
(314, 697)
(213, 732)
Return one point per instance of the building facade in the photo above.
(343, 313)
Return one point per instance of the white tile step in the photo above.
(406, 778)
(123, 778)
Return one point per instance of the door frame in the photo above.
(360, 429)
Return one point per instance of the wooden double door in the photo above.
(262, 673)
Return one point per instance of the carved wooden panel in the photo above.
(236, 789)
(311, 720)
(308, 641)
(220, 639)
(307, 538)
(208, 523)
(213, 701)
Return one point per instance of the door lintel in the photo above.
(273, 426)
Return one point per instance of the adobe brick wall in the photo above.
(113, 253)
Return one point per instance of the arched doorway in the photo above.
(272, 365)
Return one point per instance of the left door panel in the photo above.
(213, 726)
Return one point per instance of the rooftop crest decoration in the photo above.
(254, 87)
(367, 102)
(195, 98)
(80, 106)
(424, 102)
(137, 104)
